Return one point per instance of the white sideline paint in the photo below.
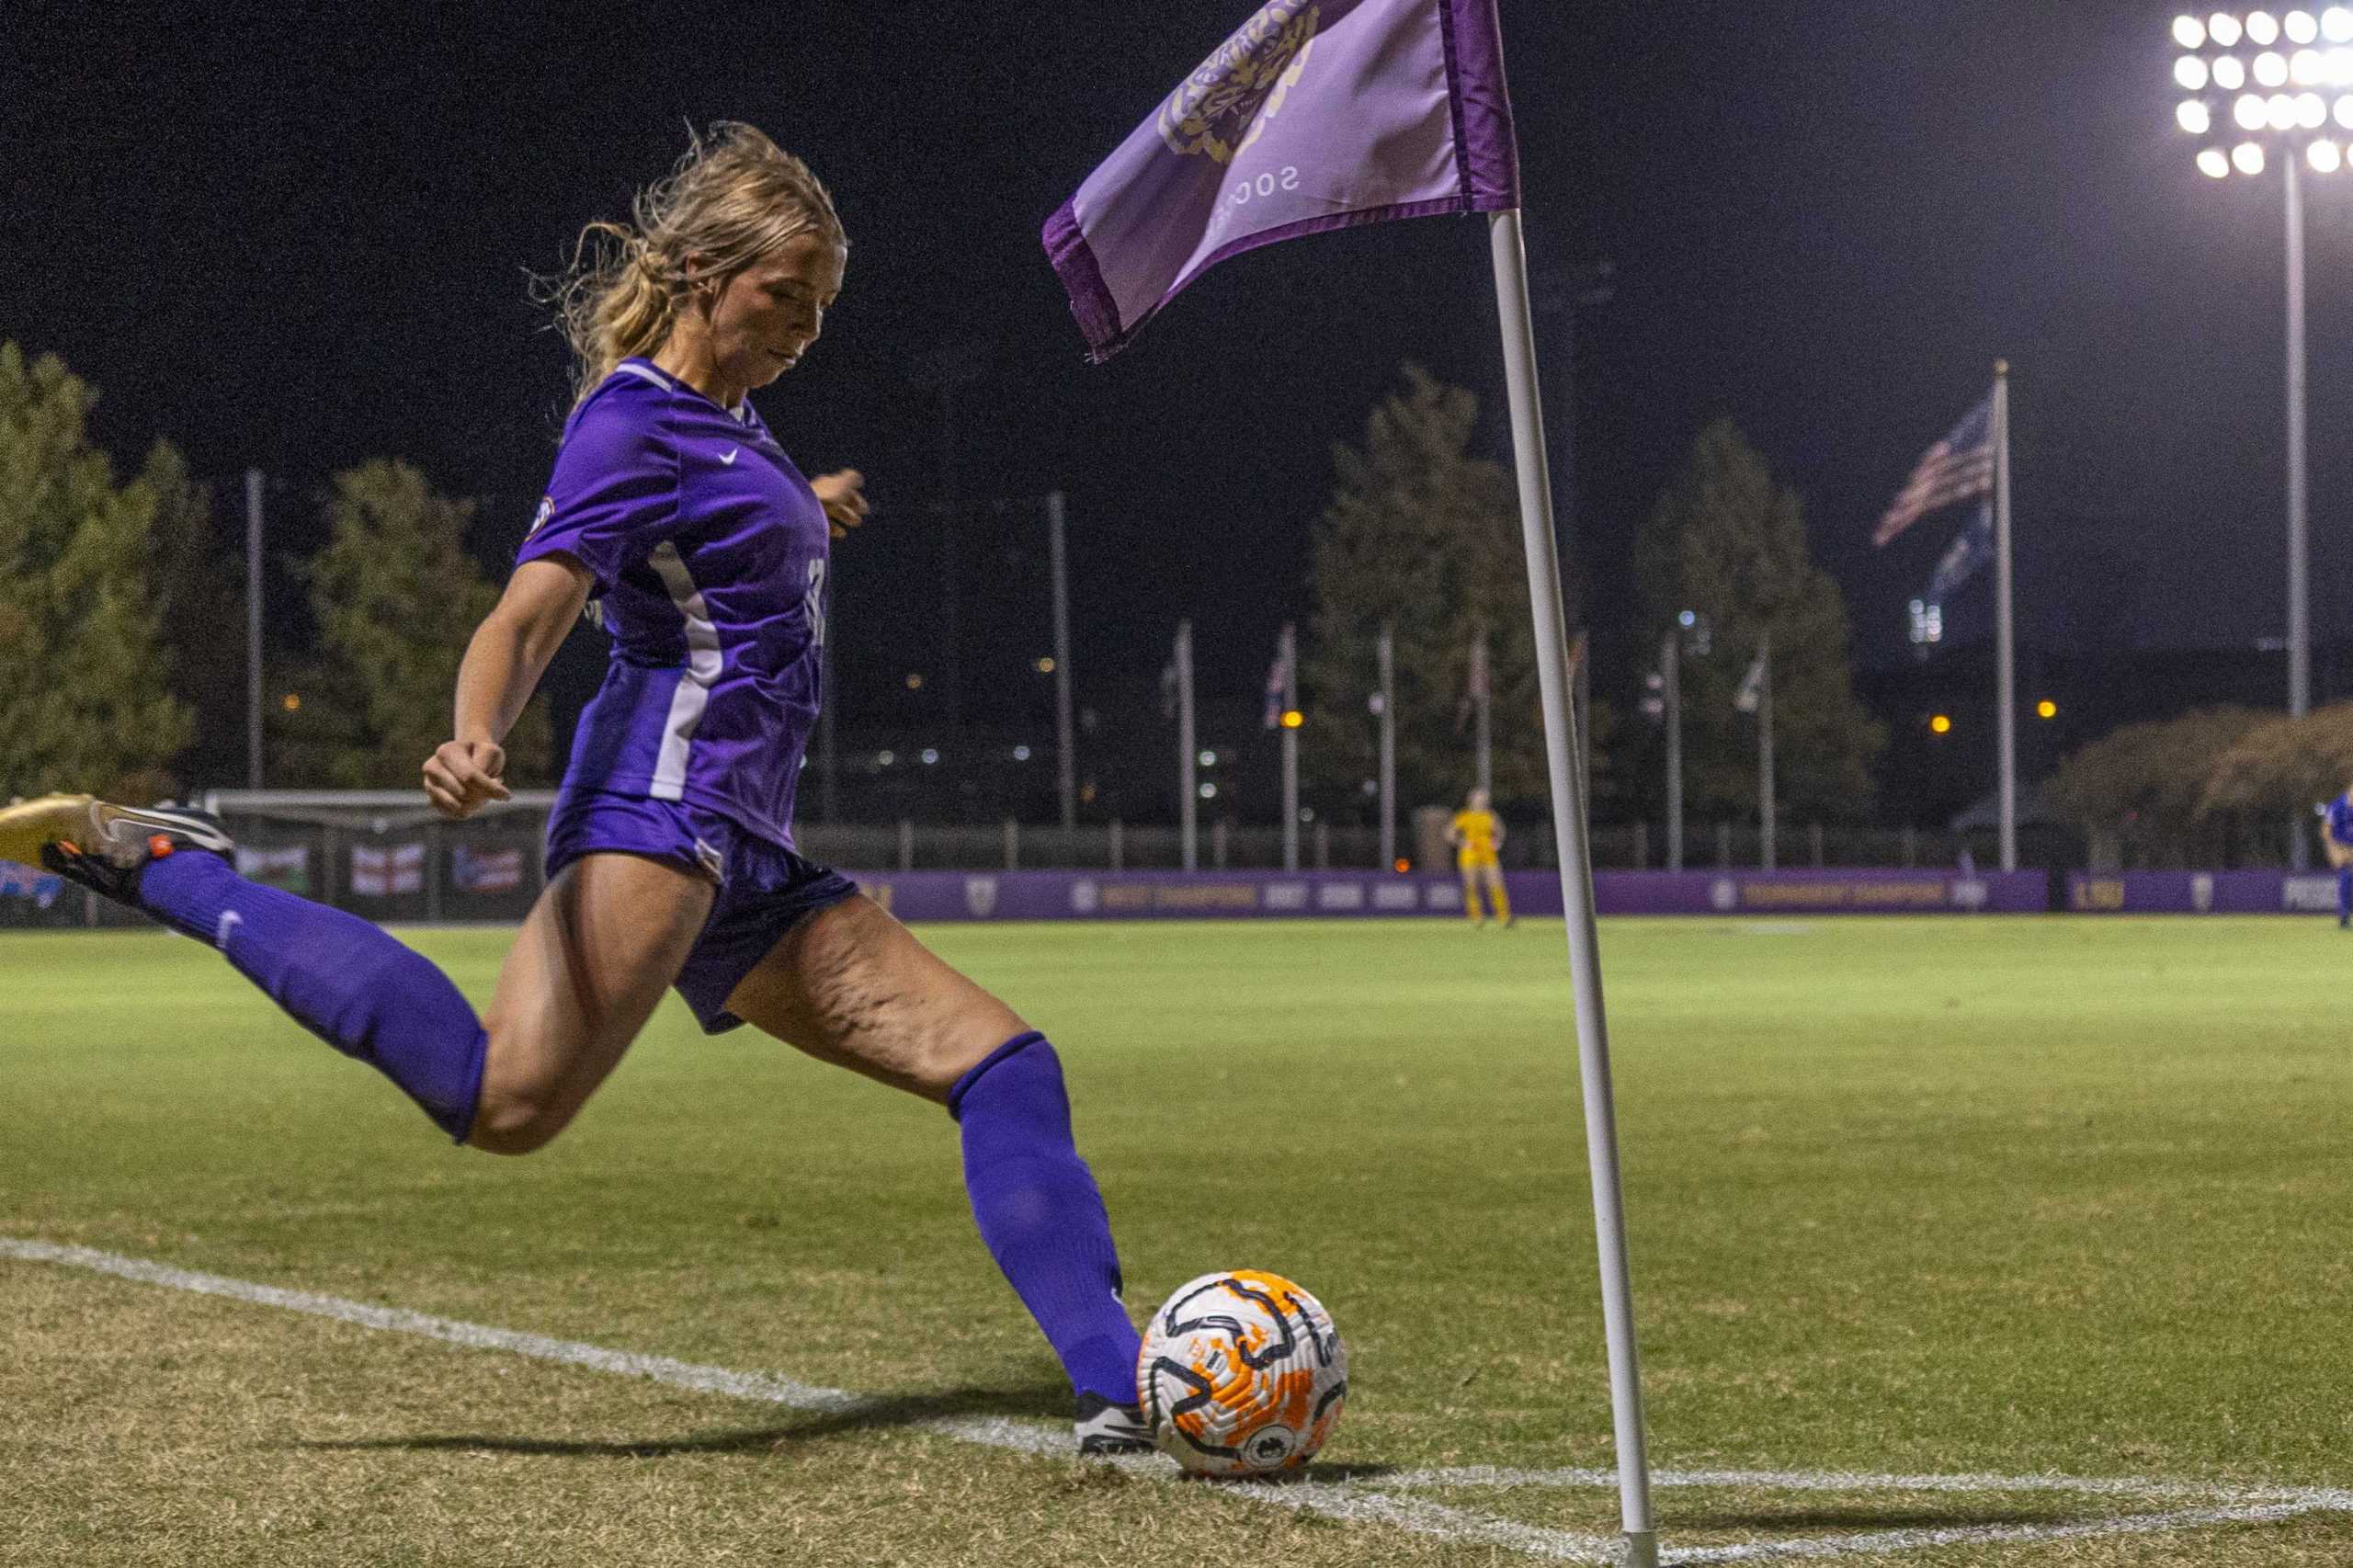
(1371, 1500)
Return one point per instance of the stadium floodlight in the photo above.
(2336, 25)
(2277, 116)
(2345, 112)
(2336, 67)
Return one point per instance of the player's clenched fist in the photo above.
(461, 777)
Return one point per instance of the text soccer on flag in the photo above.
(1316, 115)
(1955, 469)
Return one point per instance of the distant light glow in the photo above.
(2046, 709)
(2261, 28)
(1020, 754)
(2307, 67)
(930, 756)
(2345, 112)
(1293, 718)
(2193, 117)
(2191, 71)
(1403, 865)
(2228, 74)
(914, 683)
(2280, 111)
(1940, 725)
(2247, 158)
(2224, 29)
(2214, 161)
(2190, 32)
(2311, 110)
(1206, 758)
(1046, 665)
(2336, 25)
(2325, 157)
(1208, 791)
(2248, 111)
(2271, 69)
(2300, 26)
(884, 758)
(2336, 68)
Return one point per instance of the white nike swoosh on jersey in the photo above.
(729, 456)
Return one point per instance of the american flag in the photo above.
(1955, 469)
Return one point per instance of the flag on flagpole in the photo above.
(1956, 469)
(1964, 558)
(1752, 686)
(1316, 115)
(1278, 686)
(1475, 688)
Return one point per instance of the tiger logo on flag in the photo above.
(1221, 108)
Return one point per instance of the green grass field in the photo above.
(1927, 1197)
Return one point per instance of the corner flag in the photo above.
(1316, 115)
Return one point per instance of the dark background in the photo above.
(298, 237)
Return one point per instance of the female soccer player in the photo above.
(670, 854)
(1476, 834)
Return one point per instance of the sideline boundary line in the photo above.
(1370, 1501)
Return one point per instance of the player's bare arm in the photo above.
(510, 653)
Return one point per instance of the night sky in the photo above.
(301, 240)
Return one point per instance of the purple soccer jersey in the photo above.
(708, 550)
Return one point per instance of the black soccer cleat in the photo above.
(102, 847)
(1105, 1429)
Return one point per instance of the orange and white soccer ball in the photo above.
(1242, 1374)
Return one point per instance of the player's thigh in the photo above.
(587, 968)
(852, 986)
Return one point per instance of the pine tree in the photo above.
(1424, 538)
(1729, 544)
(396, 599)
(85, 693)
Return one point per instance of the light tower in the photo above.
(2264, 90)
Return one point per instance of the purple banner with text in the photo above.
(1116, 895)
(2202, 892)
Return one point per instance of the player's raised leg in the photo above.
(851, 985)
(587, 968)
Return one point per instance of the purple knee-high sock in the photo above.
(1041, 1214)
(340, 977)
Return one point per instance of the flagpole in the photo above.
(2004, 638)
(1570, 835)
(1670, 664)
(1186, 813)
(1387, 653)
(1291, 749)
(1482, 710)
(1765, 812)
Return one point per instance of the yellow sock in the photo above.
(1503, 899)
(1471, 902)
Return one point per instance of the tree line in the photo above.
(122, 625)
(122, 650)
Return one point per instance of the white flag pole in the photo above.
(2004, 637)
(1186, 812)
(1569, 832)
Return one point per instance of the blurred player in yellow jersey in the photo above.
(1476, 834)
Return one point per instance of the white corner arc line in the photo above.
(1340, 1500)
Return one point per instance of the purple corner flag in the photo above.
(1316, 115)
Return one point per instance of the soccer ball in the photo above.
(1242, 1374)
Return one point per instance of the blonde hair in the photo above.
(735, 198)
